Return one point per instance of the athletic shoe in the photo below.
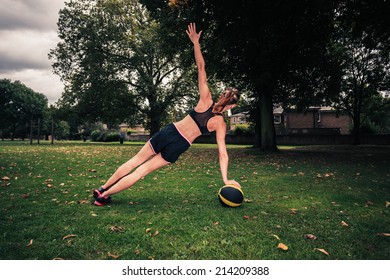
(98, 192)
(102, 200)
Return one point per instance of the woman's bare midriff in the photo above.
(188, 128)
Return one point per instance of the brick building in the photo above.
(315, 120)
(236, 119)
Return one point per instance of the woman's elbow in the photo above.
(201, 65)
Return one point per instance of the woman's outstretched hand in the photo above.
(191, 32)
(233, 182)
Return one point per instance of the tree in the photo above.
(7, 110)
(363, 43)
(112, 61)
(365, 72)
(258, 45)
(61, 112)
(380, 117)
(19, 106)
(62, 131)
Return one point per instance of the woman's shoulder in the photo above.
(217, 124)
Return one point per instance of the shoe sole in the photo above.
(97, 203)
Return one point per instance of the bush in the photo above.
(243, 129)
(103, 136)
(96, 135)
(369, 128)
(111, 137)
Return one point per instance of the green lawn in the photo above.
(339, 194)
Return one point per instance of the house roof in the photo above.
(242, 114)
(280, 110)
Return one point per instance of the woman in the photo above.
(167, 145)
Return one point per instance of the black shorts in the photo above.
(169, 142)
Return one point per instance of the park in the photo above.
(308, 83)
(309, 202)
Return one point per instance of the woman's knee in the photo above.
(142, 171)
(151, 165)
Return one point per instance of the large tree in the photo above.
(362, 41)
(259, 45)
(112, 62)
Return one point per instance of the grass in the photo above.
(340, 194)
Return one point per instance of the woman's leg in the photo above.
(144, 154)
(126, 182)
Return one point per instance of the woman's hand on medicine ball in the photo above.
(232, 182)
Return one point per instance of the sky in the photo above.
(28, 31)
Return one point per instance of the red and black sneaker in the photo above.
(98, 192)
(101, 200)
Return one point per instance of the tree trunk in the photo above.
(155, 124)
(268, 135)
(39, 130)
(257, 126)
(13, 132)
(52, 131)
(31, 132)
(356, 128)
(356, 116)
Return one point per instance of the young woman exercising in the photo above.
(167, 145)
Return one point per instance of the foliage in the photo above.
(112, 62)
(130, 131)
(112, 137)
(86, 129)
(268, 47)
(364, 64)
(18, 106)
(334, 199)
(369, 128)
(298, 54)
(62, 131)
(377, 112)
(243, 129)
(96, 136)
(105, 136)
(283, 52)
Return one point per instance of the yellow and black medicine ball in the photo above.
(231, 196)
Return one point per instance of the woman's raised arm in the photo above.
(200, 63)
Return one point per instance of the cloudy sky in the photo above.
(28, 30)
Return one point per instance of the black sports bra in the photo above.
(201, 119)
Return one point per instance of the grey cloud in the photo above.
(25, 47)
(8, 64)
(28, 30)
(29, 14)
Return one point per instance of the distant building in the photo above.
(315, 120)
(137, 129)
(240, 118)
